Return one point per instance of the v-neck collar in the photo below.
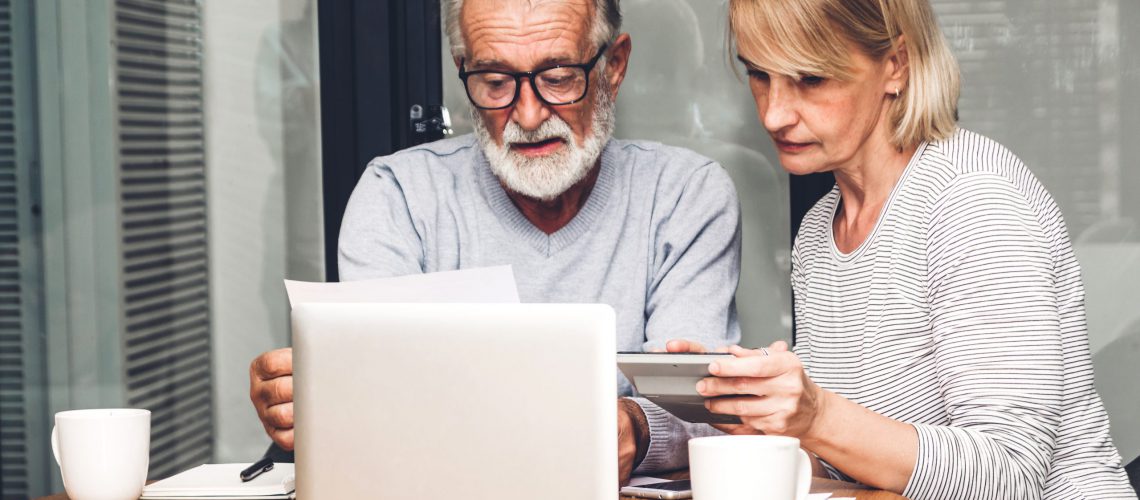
(512, 217)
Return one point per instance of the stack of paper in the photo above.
(478, 285)
(221, 482)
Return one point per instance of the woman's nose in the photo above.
(780, 109)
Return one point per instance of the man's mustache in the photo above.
(552, 128)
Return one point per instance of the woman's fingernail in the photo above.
(701, 386)
(714, 368)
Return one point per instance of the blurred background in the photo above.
(164, 164)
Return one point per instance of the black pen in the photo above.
(258, 467)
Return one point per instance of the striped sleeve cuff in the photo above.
(935, 445)
(954, 463)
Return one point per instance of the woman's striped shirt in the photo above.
(962, 314)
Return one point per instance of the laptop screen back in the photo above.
(497, 401)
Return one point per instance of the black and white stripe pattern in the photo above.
(963, 314)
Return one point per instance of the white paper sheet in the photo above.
(476, 285)
(222, 480)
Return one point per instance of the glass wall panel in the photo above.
(159, 177)
(681, 90)
(1056, 83)
(263, 131)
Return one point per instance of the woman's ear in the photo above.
(897, 67)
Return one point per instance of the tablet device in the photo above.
(669, 380)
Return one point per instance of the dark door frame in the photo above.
(377, 59)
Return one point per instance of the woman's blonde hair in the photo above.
(811, 37)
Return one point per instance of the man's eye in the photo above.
(496, 82)
(811, 80)
(555, 79)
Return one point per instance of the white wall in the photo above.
(263, 157)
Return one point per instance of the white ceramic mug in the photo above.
(102, 454)
(748, 468)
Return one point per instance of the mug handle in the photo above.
(55, 444)
(803, 473)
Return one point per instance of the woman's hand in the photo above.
(767, 388)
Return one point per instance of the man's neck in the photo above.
(550, 216)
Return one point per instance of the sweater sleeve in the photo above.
(996, 343)
(378, 237)
(696, 265)
(696, 269)
(668, 439)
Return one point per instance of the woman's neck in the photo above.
(865, 184)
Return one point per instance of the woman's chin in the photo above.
(797, 166)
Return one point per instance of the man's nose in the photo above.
(780, 112)
(529, 111)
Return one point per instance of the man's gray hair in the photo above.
(604, 28)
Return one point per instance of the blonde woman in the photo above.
(942, 349)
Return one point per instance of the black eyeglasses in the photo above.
(556, 85)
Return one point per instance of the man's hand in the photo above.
(271, 390)
(633, 438)
(678, 345)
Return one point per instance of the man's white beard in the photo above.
(546, 177)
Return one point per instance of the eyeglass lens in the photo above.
(555, 86)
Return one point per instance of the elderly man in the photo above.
(651, 230)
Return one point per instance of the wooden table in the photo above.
(818, 485)
(838, 489)
(845, 489)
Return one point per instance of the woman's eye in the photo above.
(811, 80)
(756, 74)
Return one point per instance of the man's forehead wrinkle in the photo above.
(493, 43)
(557, 28)
(537, 32)
(537, 55)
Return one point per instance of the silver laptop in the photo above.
(426, 401)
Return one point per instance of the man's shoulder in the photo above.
(673, 176)
(670, 167)
(452, 155)
(663, 156)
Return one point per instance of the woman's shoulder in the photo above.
(967, 154)
(968, 161)
(981, 175)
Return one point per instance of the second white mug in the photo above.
(748, 468)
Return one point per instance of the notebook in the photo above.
(222, 481)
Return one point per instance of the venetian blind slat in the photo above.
(162, 189)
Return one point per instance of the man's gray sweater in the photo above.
(658, 239)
